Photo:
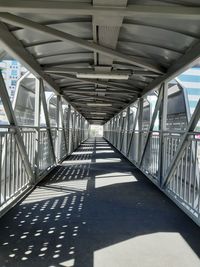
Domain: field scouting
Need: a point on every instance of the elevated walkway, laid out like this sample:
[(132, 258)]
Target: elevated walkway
[(97, 210)]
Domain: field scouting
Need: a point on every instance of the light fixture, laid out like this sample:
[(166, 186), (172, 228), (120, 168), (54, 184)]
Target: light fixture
[(113, 75), (98, 113), (99, 105)]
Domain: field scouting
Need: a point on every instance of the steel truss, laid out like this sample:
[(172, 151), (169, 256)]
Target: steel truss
[(28, 153), (169, 159)]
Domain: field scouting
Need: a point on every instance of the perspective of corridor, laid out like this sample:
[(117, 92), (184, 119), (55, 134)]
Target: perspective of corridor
[(94, 210), (99, 133)]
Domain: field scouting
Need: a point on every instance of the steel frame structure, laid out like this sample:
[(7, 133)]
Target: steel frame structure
[(99, 45), (176, 173), (54, 53), (25, 148)]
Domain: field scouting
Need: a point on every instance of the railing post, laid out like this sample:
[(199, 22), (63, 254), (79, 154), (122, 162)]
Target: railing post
[(120, 130), (59, 126), (44, 104), (157, 108), (69, 131), (13, 121), (133, 130), (162, 128), (123, 129), (127, 129), (37, 125), (140, 123)]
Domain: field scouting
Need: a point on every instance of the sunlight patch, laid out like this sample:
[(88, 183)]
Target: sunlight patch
[(157, 250), (69, 263), (82, 153), (114, 174), (108, 160), (76, 162), (76, 185), (103, 147), (100, 182), (105, 151), (40, 194)]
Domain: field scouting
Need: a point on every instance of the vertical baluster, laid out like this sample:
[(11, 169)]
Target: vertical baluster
[(169, 151), (10, 166), (1, 180), (178, 179), (20, 172), (5, 168), (181, 177), (165, 154), (190, 187), (14, 165), (175, 181), (185, 173), (195, 169), (17, 169)]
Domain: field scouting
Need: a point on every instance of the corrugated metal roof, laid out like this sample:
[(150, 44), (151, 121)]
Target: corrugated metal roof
[(150, 43)]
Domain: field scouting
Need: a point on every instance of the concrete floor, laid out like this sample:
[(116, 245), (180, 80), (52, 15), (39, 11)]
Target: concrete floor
[(97, 210)]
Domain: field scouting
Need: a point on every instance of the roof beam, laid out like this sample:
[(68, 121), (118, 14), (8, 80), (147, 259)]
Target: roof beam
[(86, 71), (65, 37), (66, 70), (91, 70), (97, 91), (65, 8), (116, 106), (96, 111), (83, 84), (14, 47), (108, 108), (144, 73), (107, 99), (186, 61), (93, 81)]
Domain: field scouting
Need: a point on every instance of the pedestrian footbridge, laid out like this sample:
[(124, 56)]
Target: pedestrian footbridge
[(130, 197), (97, 209)]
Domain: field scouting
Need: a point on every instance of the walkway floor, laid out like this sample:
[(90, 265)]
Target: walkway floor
[(97, 210)]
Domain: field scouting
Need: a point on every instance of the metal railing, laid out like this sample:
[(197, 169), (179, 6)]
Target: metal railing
[(184, 183), (14, 178), (183, 186)]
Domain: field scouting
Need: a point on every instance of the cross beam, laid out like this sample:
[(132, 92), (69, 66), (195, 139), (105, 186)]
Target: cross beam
[(65, 8), (93, 81), (65, 37)]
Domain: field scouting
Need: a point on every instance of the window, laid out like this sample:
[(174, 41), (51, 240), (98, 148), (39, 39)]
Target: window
[(14, 72), (13, 82)]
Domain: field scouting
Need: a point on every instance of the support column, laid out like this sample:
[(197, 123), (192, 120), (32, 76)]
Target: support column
[(13, 122), (120, 130), (37, 126), (157, 108), (140, 123), (127, 128), (162, 129), (61, 126), (69, 131), (44, 103), (133, 130)]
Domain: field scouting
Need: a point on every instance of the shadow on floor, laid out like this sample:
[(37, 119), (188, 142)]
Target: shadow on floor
[(96, 210)]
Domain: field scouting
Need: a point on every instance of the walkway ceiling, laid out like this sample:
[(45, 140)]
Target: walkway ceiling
[(101, 55)]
